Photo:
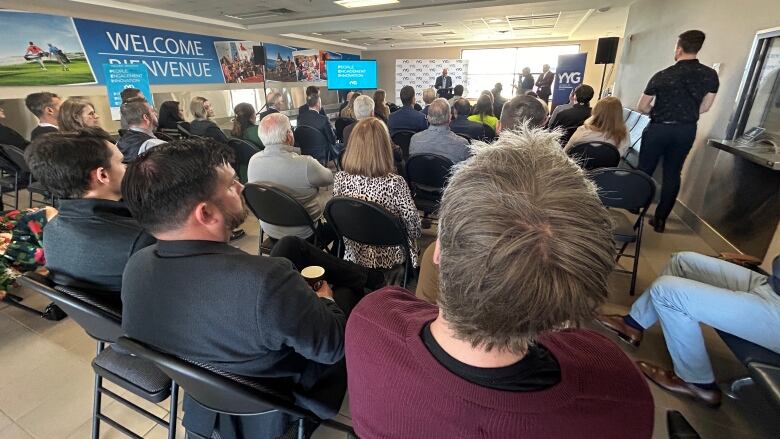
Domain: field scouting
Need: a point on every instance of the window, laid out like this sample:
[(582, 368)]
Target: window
[(486, 67)]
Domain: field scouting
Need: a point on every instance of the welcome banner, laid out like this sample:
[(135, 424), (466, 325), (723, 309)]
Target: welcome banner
[(171, 57)]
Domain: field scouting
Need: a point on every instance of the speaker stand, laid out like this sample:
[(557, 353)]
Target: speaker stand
[(603, 75)]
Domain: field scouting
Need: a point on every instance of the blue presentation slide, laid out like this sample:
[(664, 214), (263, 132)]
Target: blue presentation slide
[(351, 74)]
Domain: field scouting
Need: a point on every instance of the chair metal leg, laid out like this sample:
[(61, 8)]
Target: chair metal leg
[(637, 249), (260, 246), (301, 429), (174, 406), (97, 398)]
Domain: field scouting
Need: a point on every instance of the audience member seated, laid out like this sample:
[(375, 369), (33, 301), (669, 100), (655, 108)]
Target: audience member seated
[(438, 139), (94, 234), (202, 125), (244, 314), (520, 113), (457, 94), (407, 118), (363, 107), (498, 100), (46, 107), (572, 118), (273, 104), (695, 289), (604, 125), (299, 176), (9, 136), (502, 347), (483, 112), (141, 121), (130, 93), (347, 98), (429, 94), (461, 124), (244, 124), (381, 110), (369, 175), (314, 118), (171, 116), (310, 91), (348, 112), (75, 114)]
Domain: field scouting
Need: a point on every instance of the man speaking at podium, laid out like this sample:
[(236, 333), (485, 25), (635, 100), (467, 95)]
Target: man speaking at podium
[(443, 85)]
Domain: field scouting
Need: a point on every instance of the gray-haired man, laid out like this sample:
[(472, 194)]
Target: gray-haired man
[(438, 139)]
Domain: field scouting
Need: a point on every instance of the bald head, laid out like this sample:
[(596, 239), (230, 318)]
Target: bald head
[(521, 109), (275, 129)]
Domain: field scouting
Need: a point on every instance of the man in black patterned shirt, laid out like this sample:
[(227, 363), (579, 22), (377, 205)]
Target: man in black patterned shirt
[(675, 97)]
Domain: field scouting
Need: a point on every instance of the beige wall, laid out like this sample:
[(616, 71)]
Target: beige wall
[(386, 61), (651, 33)]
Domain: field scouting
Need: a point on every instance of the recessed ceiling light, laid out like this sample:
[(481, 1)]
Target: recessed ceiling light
[(495, 20), (363, 3)]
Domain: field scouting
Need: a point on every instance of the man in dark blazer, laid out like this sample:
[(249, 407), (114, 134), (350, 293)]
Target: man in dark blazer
[(443, 83), (273, 102), (544, 83), (569, 119), (407, 118), (195, 296), (46, 107), (310, 90), (313, 117)]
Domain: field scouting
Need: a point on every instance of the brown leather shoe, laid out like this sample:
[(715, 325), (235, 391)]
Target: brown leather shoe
[(616, 324), (671, 382)]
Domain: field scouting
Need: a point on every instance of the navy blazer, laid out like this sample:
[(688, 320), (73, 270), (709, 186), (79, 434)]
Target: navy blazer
[(319, 122), (407, 119), (461, 125), (304, 108)]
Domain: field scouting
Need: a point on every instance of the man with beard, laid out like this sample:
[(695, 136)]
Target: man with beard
[(195, 296)]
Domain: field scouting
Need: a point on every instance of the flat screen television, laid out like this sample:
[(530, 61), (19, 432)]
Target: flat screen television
[(351, 74)]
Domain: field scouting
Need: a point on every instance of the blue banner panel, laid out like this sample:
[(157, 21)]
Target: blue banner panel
[(170, 57), (122, 76), (351, 75), (568, 75)]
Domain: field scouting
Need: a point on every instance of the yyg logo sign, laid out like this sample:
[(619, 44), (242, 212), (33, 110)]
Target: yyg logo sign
[(570, 78)]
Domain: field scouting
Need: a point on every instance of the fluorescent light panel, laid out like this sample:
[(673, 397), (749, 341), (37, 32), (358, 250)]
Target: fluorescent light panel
[(363, 3)]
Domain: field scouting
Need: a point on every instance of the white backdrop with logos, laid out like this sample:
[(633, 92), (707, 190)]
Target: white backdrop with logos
[(422, 73)]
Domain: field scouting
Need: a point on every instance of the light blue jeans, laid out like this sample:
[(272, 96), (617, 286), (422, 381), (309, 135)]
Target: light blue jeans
[(694, 289)]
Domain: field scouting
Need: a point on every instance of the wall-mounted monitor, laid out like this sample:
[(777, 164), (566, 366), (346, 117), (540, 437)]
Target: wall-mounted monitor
[(351, 74)]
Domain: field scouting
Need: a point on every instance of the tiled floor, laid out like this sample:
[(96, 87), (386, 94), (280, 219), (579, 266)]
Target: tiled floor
[(46, 379)]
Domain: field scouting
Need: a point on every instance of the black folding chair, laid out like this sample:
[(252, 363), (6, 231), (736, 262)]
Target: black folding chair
[(166, 136), (243, 151), (488, 134), (594, 155), (101, 318), (184, 131), (270, 204), (16, 156), (312, 142), (403, 138), (11, 178), (627, 189), (427, 175), (368, 223), (227, 393), (465, 136), (341, 123)]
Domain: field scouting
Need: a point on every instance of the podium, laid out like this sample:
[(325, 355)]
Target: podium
[(445, 93)]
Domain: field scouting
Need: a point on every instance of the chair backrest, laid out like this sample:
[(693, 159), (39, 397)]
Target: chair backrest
[(16, 155), (6, 164), (365, 222), (184, 131), (632, 119), (311, 142), (429, 170), (403, 138), (624, 188), (272, 205), (488, 133), (465, 136), (100, 320), (165, 136), (594, 155), (243, 151), (341, 123), (220, 391)]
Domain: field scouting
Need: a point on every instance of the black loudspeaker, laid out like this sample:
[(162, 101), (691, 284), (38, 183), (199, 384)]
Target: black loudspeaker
[(607, 50), (258, 57)]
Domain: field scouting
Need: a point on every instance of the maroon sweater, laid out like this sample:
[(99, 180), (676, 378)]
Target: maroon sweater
[(397, 389)]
